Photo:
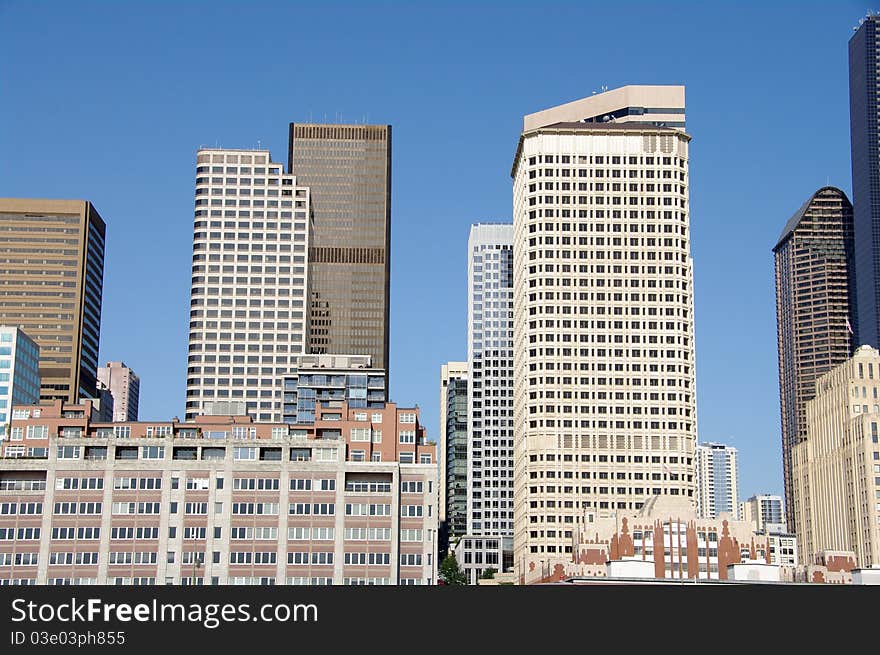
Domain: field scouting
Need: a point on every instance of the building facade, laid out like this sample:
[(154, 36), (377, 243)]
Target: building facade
[(717, 477), (52, 288), (604, 377), (248, 318), (864, 76), (490, 393), (455, 467), (783, 548), (664, 536), (764, 512), (448, 371), (815, 310), (125, 388), (836, 470), (19, 373), (218, 500), (330, 378), (348, 169)]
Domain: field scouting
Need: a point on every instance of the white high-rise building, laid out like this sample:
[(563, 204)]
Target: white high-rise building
[(604, 371), (490, 396), (764, 512), (249, 282), (716, 476)]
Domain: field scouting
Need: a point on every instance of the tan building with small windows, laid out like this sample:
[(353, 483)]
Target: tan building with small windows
[(836, 470), (604, 407), (51, 286)]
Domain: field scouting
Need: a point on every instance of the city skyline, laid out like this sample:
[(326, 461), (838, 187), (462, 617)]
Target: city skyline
[(735, 338)]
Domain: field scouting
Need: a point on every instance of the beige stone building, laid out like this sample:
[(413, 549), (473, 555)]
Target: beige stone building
[(836, 471), (664, 539), (604, 377)]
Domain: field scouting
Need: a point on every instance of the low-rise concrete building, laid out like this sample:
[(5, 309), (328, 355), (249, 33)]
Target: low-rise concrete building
[(664, 532), (348, 499)]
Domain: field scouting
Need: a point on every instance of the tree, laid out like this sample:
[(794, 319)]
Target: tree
[(450, 572), (489, 574)]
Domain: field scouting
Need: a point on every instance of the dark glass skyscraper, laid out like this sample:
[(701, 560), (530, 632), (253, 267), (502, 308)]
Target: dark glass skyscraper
[(864, 77), (814, 311), (348, 170)]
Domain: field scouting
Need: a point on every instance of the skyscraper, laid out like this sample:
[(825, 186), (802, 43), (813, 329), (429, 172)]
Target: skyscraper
[(490, 366), (454, 465), (248, 319), (814, 310), (19, 372), (864, 77), (604, 377), (348, 169), (835, 486), (125, 388), (51, 287), (717, 480), (448, 372), (764, 512)]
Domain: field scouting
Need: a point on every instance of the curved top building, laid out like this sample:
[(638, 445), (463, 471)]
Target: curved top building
[(816, 318)]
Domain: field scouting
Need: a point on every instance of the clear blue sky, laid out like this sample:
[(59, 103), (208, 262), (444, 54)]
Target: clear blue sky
[(109, 102)]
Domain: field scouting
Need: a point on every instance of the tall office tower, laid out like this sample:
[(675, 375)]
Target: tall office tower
[(604, 377), (815, 309), (716, 477), (835, 486), (764, 512), (125, 388), (19, 372), (864, 117), (454, 466), (329, 380), (348, 169), (248, 317), (52, 286), (490, 367), (448, 371)]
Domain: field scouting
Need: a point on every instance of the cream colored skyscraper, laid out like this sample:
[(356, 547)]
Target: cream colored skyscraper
[(248, 308), (604, 386), (837, 469)]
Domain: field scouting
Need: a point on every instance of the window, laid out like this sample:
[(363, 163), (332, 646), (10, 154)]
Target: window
[(247, 453), (152, 452), (37, 432), (407, 417), (360, 434), (407, 436), (68, 452)]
